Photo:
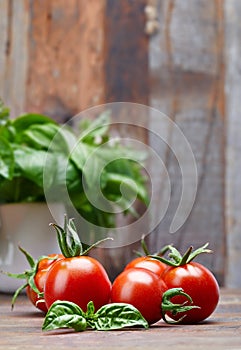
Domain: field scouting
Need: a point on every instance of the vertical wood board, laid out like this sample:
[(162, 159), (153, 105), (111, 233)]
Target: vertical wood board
[(65, 58), (14, 24), (233, 164), (186, 68)]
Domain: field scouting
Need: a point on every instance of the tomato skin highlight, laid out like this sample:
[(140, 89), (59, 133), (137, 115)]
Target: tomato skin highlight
[(141, 288), (78, 279), (147, 263), (197, 281)]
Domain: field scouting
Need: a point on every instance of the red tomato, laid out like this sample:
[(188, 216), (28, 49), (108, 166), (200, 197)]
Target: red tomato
[(148, 263), (141, 288), (197, 281), (44, 264), (78, 279), (39, 279)]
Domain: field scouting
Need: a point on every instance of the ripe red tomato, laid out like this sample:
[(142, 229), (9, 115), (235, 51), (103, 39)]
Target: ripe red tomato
[(79, 279), (148, 263), (197, 281), (45, 263), (141, 288), (39, 280)]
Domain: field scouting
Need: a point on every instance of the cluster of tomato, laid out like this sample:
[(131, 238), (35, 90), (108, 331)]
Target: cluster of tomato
[(144, 282)]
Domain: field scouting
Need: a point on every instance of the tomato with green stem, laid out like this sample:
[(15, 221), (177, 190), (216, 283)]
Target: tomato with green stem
[(147, 292), (195, 279), (37, 298), (77, 278), (35, 278)]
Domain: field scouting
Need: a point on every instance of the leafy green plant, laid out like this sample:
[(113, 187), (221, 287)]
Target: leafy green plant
[(65, 314), (37, 154)]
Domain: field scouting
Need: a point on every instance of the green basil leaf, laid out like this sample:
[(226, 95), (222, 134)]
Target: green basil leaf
[(90, 309), (40, 136), (97, 128), (6, 159), (4, 113), (30, 163), (90, 315), (131, 187), (64, 314), (118, 315), (59, 172), (80, 154), (24, 121)]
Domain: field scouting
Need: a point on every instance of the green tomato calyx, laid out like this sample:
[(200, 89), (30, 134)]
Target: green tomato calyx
[(28, 275), (69, 240), (146, 251), (174, 309), (176, 259)]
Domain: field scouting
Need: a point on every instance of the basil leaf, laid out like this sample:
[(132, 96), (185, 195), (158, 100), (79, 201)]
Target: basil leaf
[(4, 113), (6, 159), (132, 187), (64, 314), (59, 173), (118, 315), (40, 135), (90, 309), (31, 163), (90, 315), (80, 154), (24, 121), (96, 128)]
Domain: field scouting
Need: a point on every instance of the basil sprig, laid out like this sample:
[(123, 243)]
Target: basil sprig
[(66, 314)]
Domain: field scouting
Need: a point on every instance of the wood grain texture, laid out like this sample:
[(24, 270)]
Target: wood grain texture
[(65, 72), (126, 80), (126, 52), (14, 24), (233, 165), (186, 68), (22, 327)]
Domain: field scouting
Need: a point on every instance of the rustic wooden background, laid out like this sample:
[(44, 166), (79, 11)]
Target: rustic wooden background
[(181, 57)]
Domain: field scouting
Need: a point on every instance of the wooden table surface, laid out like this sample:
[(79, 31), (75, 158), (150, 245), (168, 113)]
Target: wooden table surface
[(21, 329)]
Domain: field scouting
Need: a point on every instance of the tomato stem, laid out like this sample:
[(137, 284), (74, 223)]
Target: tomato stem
[(176, 259), (168, 306), (146, 250), (69, 241), (28, 275)]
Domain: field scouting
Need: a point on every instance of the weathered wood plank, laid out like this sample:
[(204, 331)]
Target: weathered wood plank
[(65, 57), (126, 80), (14, 53), (126, 52), (233, 165), (4, 19), (186, 65), (221, 331)]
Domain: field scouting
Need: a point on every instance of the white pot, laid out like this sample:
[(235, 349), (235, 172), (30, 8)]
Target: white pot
[(27, 225)]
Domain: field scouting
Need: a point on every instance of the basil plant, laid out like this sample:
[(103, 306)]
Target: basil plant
[(37, 155)]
